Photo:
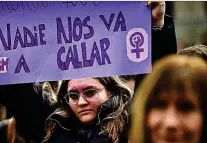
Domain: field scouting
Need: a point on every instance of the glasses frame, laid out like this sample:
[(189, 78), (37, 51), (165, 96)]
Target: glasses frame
[(82, 94)]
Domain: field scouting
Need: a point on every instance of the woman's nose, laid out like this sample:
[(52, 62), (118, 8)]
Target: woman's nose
[(171, 119), (82, 101)]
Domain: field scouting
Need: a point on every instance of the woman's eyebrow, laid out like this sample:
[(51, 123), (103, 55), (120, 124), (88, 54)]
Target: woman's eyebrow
[(91, 87), (84, 88), (72, 90)]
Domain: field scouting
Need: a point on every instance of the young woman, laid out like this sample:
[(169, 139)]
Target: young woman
[(90, 110), (171, 104)]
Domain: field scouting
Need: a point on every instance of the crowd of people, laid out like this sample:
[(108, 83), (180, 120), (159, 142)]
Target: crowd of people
[(165, 106)]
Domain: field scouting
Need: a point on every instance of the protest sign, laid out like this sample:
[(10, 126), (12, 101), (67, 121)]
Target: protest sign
[(47, 41)]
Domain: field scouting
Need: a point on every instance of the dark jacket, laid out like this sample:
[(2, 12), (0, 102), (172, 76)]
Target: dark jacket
[(70, 130), (163, 43)]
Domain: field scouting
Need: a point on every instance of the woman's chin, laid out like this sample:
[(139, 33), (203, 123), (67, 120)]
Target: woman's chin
[(87, 119)]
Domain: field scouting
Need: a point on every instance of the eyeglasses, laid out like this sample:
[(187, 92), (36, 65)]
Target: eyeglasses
[(88, 95)]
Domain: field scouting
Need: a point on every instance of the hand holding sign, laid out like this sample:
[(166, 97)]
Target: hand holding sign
[(158, 12)]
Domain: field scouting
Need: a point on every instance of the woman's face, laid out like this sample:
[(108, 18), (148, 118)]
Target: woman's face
[(92, 96), (175, 119)]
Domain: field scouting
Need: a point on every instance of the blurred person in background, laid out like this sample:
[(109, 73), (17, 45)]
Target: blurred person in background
[(24, 102), (171, 104), (8, 132), (196, 50)]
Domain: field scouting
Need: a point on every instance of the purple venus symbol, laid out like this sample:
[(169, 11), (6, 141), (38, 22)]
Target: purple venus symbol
[(136, 41)]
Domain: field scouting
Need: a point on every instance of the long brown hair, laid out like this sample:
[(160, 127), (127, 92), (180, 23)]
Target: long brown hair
[(171, 72)]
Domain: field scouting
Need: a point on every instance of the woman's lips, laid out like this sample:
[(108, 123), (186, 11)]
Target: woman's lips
[(85, 111), (172, 139)]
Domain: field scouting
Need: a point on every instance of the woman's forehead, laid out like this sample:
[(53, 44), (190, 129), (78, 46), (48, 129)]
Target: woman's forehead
[(83, 83), (173, 95)]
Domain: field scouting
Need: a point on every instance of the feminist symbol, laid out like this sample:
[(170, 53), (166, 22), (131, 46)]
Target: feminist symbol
[(137, 40)]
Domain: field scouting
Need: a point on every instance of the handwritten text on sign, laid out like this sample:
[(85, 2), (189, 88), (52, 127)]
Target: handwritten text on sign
[(62, 40)]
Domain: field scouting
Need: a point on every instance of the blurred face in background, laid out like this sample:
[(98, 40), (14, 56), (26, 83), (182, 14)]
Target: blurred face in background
[(85, 96), (175, 118)]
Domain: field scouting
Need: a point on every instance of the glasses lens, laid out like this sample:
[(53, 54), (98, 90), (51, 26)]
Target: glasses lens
[(91, 94), (72, 98)]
